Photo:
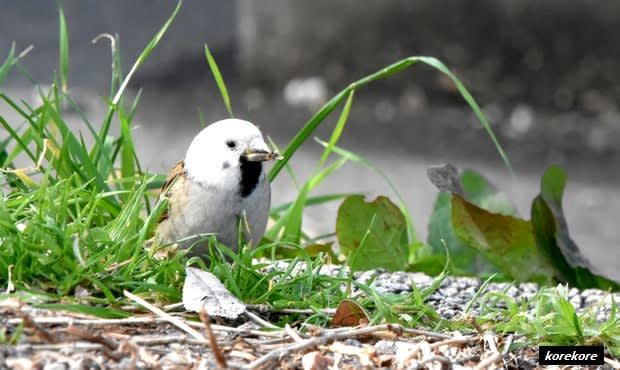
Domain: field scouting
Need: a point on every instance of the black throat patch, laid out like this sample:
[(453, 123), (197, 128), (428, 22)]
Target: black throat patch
[(250, 173)]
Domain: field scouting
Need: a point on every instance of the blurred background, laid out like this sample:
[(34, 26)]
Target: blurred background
[(546, 74)]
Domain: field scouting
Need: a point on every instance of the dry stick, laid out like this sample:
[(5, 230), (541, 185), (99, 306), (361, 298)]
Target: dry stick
[(292, 333), (261, 321), (153, 340), (85, 346), (29, 323), (317, 341), (429, 334), (306, 311), (140, 353), (496, 356), (68, 320), (508, 344), (215, 348), (454, 340), (267, 342), (425, 333), (86, 335), (173, 306), (179, 323), (10, 287), (615, 364), (271, 334)]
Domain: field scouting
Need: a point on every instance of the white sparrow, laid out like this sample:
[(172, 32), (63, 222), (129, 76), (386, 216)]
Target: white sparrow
[(220, 181)]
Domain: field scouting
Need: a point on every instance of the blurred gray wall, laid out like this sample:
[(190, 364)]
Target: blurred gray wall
[(175, 59), (560, 47)]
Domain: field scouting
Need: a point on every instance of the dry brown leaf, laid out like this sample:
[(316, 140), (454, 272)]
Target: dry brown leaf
[(349, 313)]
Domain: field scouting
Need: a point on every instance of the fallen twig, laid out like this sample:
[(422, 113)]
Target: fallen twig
[(137, 320), (179, 323), (91, 337), (302, 311), (320, 340), (217, 352), (453, 340), (261, 321), (292, 333), (30, 323), (615, 364), (489, 338)]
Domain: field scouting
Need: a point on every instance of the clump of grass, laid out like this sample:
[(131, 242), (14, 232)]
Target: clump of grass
[(549, 318), (73, 226), (74, 221)]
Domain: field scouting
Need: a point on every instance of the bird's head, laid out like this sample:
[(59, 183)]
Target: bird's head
[(224, 151)]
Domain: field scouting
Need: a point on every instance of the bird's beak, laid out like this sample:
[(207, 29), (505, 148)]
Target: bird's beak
[(260, 155)]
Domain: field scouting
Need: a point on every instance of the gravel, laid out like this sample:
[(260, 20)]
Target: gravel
[(455, 293)]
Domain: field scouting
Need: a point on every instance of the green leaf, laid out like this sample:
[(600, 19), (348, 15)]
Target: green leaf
[(218, 80), (553, 239), (441, 236), (484, 194), (506, 241), (552, 190), (413, 240), (372, 234), (465, 260)]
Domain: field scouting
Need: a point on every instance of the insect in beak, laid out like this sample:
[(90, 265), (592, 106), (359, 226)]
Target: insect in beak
[(260, 155)]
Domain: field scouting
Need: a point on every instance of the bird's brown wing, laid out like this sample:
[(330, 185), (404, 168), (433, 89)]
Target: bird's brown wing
[(177, 172)]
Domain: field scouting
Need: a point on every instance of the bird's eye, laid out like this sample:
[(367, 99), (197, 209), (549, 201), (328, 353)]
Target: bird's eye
[(231, 144)]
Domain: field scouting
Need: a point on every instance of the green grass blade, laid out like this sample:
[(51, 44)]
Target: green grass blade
[(145, 53), (8, 64), (293, 218), (63, 47), (83, 117), (117, 73), (388, 71), (288, 167), (127, 149), (305, 132), (102, 312), (96, 152), (218, 79), (18, 139), (342, 121), (437, 64)]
